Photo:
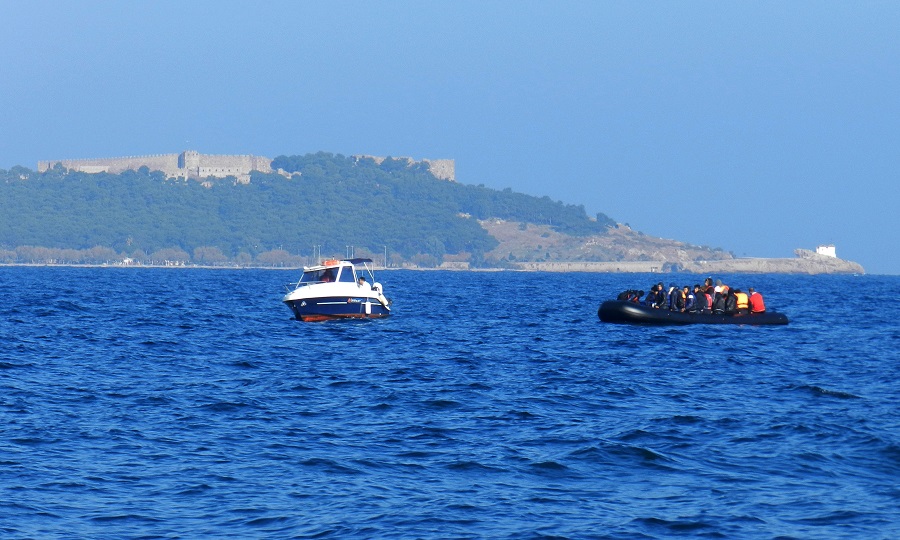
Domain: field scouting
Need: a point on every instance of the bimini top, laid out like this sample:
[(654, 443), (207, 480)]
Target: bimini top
[(333, 263)]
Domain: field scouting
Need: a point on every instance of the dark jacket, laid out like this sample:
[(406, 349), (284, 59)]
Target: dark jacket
[(730, 304), (719, 303), (700, 303), (676, 300), (662, 299)]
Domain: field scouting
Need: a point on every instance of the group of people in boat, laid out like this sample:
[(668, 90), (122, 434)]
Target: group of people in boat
[(706, 298)]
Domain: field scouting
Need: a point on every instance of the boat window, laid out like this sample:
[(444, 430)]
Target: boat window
[(347, 275)]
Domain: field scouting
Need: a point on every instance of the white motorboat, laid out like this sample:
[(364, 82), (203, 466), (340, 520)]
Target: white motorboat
[(337, 289)]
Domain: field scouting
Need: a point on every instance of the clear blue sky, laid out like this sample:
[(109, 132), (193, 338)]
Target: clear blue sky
[(756, 127)]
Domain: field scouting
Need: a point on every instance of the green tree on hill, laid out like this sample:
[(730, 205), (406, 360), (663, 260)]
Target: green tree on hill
[(326, 200)]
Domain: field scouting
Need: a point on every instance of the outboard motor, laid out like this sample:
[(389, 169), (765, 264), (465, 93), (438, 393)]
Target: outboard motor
[(381, 298)]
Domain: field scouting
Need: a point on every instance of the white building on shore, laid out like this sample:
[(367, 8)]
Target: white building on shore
[(827, 250)]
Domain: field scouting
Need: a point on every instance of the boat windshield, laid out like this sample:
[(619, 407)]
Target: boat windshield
[(319, 276)]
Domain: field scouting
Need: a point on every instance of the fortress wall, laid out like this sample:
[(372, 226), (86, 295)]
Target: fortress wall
[(193, 164), (238, 166), (245, 163), (189, 160), (189, 163), (159, 162)]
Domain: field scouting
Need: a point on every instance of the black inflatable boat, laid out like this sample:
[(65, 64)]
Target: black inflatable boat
[(618, 311)]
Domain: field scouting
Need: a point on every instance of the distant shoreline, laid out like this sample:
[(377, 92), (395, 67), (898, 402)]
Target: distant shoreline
[(797, 266)]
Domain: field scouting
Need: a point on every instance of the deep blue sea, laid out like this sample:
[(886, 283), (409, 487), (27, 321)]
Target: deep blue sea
[(186, 403)]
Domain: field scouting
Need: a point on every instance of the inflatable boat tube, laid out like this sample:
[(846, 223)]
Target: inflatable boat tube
[(617, 311)]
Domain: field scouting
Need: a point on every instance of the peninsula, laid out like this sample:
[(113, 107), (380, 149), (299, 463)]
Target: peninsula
[(189, 208)]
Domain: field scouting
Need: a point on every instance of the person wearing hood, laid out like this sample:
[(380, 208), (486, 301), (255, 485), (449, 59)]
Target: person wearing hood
[(720, 295), (708, 287), (719, 303), (676, 298), (662, 297), (730, 303)]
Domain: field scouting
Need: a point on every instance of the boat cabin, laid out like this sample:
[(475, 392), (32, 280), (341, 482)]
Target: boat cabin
[(331, 271), (328, 275)]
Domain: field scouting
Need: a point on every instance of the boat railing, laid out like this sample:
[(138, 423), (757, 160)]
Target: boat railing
[(293, 286)]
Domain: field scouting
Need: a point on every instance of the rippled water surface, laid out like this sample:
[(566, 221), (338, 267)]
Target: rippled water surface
[(187, 403)]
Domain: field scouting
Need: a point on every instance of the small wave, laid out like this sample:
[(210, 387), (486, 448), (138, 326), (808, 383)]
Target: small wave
[(615, 453), (442, 403), (125, 517), (264, 521), (819, 391), (686, 419), (157, 399), (645, 454), (32, 441), (65, 305), (341, 384), (472, 466), (549, 468), (834, 518), (226, 406), (891, 454), (195, 490), (329, 466), (418, 454), (246, 364), (161, 343), (520, 415), (428, 433), (63, 485), (679, 525)]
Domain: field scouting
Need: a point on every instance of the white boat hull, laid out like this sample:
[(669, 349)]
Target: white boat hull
[(332, 291)]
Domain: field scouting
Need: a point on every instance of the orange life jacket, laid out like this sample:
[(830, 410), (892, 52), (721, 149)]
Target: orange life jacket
[(756, 303), (741, 300)]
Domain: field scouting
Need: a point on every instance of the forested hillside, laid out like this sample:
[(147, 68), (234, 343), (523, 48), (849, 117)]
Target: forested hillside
[(324, 201)]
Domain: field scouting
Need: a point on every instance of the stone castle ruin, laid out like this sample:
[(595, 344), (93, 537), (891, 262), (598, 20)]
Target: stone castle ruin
[(197, 166), (442, 169), (188, 164)]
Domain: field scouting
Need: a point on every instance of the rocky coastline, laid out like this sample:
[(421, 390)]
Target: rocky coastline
[(807, 263)]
